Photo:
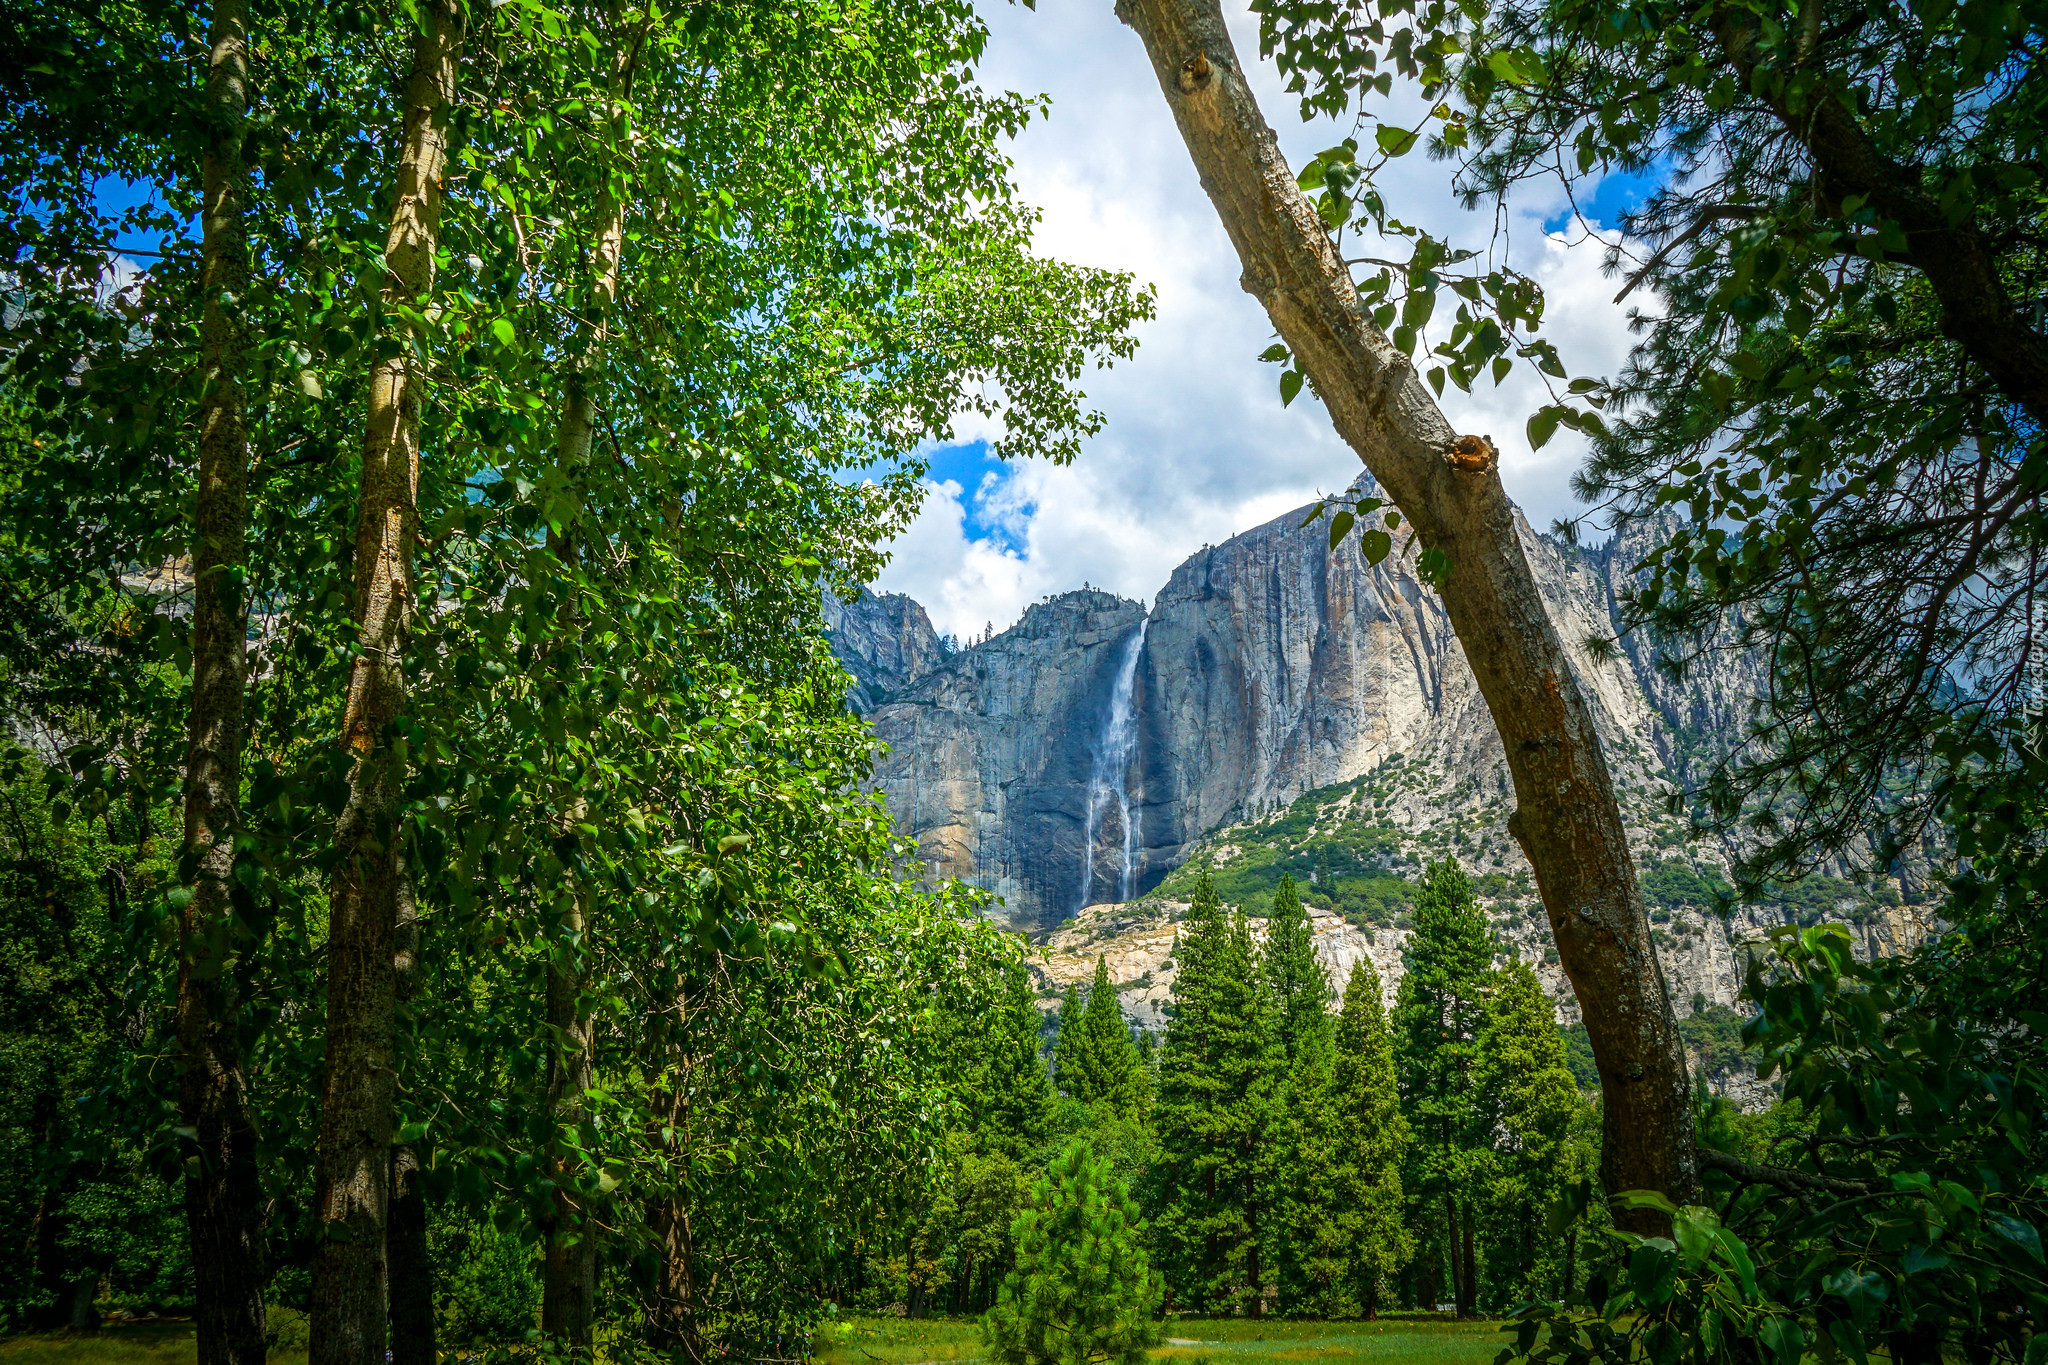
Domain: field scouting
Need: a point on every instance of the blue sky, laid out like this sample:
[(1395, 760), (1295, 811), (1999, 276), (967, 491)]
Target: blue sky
[(1197, 446)]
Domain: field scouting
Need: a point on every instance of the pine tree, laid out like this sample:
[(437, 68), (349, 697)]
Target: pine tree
[(1306, 1242), (1217, 1071), (1368, 1108), (1102, 1064), (1066, 1042), (1310, 1250), (1529, 1102), (1301, 988), (1436, 1026), (1013, 1094), (1082, 1292)]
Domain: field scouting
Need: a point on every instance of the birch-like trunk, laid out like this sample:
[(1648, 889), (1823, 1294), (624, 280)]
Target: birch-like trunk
[(351, 1198), (1566, 818), (223, 1201), (569, 1270)]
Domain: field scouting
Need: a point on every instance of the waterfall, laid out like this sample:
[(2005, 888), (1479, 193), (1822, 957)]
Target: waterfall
[(1110, 773)]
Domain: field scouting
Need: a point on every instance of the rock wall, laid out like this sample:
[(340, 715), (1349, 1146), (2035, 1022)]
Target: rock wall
[(991, 754), (886, 642), (1271, 664)]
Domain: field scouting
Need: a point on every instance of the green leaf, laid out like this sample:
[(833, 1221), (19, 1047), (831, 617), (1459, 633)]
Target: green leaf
[(501, 328), (1783, 1338), (1290, 386), (1339, 526), (1693, 1228), (1543, 425), (2021, 1235), (1394, 141), (733, 841), (1653, 1270), (1918, 1260), (1738, 1258), (1375, 546), (1274, 352)]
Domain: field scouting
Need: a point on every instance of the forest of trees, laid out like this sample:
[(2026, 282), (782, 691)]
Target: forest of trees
[(1294, 1150), (437, 894)]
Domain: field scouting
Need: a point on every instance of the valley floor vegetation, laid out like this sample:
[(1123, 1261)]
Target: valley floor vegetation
[(438, 905)]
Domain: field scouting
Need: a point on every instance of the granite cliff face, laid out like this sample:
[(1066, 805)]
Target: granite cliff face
[(885, 640), (1267, 666), (1078, 758)]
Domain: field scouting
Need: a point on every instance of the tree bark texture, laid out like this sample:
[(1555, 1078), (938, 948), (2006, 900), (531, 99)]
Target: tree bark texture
[(568, 1312), (405, 1233), (223, 1200), (1566, 818), (348, 1322)]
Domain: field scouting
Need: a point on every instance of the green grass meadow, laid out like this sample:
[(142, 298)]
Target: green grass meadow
[(1408, 1340)]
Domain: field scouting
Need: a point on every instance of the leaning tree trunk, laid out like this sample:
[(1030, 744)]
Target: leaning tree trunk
[(351, 1199), (223, 1200), (568, 1311), (1566, 818)]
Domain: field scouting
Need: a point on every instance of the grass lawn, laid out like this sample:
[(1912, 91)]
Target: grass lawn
[(894, 1341), (118, 1343)]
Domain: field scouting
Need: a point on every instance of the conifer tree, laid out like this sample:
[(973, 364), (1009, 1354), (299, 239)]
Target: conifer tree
[(1368, 1108), (1082, 1292), (1101, 1064), (1436, 1027), (1014, 1092), (1307, 1244), (1217, 1072), (1529, 1102), (1301, 988), (1311, 1251), (1066, 1041)]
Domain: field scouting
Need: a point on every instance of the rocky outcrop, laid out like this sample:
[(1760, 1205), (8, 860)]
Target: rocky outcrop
[(992, 757), (885, 640), (1282, 698), (1268, 666)]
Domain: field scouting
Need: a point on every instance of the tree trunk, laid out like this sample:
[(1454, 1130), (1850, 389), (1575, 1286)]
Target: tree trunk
[(1961, 264), (1566, 818), (405, 1234), (1469, 1304), (672, 1325), (1457, 1266), (348, 1325), (569, 1271), (223, 1201)]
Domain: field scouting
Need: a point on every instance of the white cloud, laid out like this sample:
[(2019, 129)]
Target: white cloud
[(1197, 446)]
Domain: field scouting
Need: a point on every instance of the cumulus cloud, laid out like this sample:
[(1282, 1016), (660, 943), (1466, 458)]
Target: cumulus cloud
[(1197, 446)]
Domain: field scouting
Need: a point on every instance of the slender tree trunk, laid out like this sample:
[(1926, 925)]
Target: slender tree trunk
[(1451, 1249), (223, 1201), (673, 1325), (351, 1199), (405, 1234), (1470, 1303), (1566, 819), (569, 1271)]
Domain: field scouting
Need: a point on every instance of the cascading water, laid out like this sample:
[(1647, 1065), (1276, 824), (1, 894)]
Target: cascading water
[(1110, 774)]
